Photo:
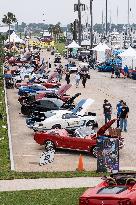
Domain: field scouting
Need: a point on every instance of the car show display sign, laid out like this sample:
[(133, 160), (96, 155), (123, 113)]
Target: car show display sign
[(47, 157), (107, 154)]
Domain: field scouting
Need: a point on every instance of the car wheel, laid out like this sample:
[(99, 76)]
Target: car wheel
[(94, 151), (25, 110), (49, 145), (56, 126), (90, 123)]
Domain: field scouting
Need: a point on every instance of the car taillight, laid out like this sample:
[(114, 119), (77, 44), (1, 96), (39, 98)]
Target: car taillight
[(84, 201), (125, 202)]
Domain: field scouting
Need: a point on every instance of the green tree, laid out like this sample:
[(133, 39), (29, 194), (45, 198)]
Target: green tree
[(9, 19), (57, 31), (51, 28)]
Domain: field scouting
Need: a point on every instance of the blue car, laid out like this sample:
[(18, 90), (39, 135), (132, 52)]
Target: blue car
[(105, 68), (34, 89)]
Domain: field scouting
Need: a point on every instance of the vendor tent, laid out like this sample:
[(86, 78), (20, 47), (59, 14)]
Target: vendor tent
[(128, 58), (101, 47), (73, 45), (14, 39), (103, 52)]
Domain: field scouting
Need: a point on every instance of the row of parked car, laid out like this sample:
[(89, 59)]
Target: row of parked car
[(54, 116)]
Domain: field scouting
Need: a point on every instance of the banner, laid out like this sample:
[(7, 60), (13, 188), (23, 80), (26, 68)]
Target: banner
[(41, 44), (107, 154)]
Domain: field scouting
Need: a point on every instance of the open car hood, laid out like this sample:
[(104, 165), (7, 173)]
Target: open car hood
[(63, 89), (41, 69), (83, 106), (51, 77), (71, 100), (105, 127)]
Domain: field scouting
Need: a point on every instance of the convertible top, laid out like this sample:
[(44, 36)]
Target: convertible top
[(124, 174)]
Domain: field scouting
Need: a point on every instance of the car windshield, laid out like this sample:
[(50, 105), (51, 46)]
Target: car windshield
[(49, 114), (84, 132), (59, 103), (112, 190)]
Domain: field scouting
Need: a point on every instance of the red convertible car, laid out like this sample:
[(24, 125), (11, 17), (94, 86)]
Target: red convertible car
[(118, 189), (61, 93), (83, 139)]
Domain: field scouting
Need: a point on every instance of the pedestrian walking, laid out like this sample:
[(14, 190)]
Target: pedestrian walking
[(117, 72), (124, 117), (49, 63), (107, 110), (67, 78), (119, 108), (84, 79), (59, 74), (77, 78), (112, 71)]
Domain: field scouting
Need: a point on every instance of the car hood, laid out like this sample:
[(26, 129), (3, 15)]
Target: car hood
[(83, 106), (63, 89), (105, 127), (51, 77), (96, 197)]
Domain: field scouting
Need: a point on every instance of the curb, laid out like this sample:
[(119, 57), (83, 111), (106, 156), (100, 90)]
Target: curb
[(9, 130)]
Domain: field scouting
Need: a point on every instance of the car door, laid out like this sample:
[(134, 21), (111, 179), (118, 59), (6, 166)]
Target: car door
[(79, 143), (70, 120), (61, 139)]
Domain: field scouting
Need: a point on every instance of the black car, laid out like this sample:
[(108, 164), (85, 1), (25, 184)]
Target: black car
[(133, 75), (47, 104)]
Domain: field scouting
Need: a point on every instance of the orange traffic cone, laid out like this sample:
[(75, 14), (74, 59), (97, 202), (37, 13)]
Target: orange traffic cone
[(80, 164)]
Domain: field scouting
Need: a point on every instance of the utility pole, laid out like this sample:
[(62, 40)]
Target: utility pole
[(91, 27), (117, 14), (106, 18), (128, 14), (79, 21)]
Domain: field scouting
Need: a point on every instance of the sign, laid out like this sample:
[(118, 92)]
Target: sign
[(107, 154), (47, 157), (82, 7), (41, 44)]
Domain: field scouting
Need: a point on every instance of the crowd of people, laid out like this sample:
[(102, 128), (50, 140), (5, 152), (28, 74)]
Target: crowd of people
[(116, 72), (122, 114)]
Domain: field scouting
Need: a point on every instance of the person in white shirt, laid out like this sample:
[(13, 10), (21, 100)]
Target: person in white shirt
[(77, 78)]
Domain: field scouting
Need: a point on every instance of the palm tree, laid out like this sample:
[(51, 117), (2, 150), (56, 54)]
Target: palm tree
[(57, 31), (50, 29), (9, 19)]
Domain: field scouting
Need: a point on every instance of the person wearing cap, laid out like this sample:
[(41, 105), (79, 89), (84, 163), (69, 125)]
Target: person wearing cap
[(119, 107), (124, 117), (107, 110)]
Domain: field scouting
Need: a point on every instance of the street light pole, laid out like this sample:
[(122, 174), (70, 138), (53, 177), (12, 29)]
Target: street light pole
[(91, 27), (106, 17), (79, 20)]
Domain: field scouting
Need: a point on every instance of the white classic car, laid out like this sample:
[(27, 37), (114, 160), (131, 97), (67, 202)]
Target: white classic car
[(69, 119)]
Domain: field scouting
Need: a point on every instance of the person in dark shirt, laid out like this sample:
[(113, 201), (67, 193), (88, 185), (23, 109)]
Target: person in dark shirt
[(119, 108), (84, 79), (107, 110), (67, 78), (124, 117)]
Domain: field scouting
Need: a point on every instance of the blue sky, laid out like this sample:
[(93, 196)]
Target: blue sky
[(62, 10)]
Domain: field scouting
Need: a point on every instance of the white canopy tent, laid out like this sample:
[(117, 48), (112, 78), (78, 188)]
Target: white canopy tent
[(101, 47), (128, 58), (73, 45), (14, 39), (102, 52)]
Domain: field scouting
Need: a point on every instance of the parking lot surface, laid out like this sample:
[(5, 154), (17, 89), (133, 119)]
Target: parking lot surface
[(27, 153)]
